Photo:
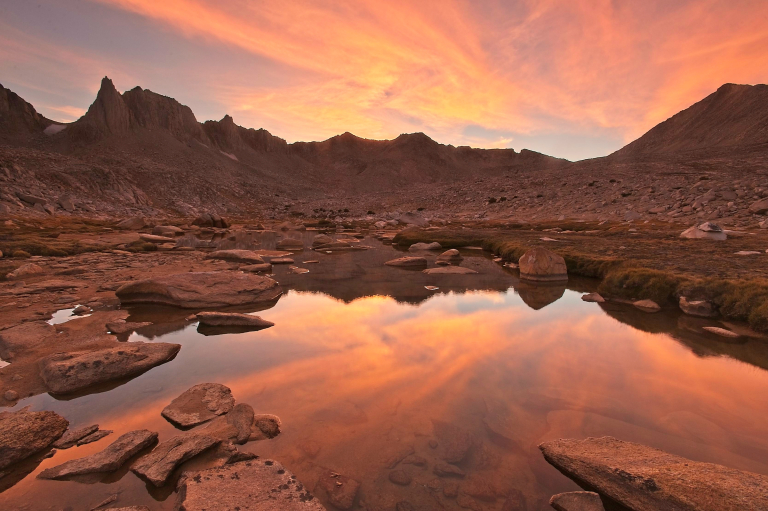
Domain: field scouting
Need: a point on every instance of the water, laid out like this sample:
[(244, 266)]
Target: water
[(364, 361)]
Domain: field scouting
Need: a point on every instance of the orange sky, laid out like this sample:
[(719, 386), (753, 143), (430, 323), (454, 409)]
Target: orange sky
[(573, 78)]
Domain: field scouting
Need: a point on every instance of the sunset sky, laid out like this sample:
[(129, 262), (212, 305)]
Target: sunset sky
[(570, 78)]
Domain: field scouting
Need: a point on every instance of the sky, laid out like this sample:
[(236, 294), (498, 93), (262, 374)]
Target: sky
[(570, 78)]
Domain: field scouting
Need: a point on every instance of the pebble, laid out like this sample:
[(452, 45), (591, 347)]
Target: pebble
[(400, 477), (11, 395)]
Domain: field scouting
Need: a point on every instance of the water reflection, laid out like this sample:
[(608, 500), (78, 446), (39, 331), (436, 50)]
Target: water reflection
[(363, 361)]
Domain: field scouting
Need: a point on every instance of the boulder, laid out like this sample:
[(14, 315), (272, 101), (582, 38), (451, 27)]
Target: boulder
[(290, 244), (407, 262), (237, 256), (108, 460), (132, 224), (647, 305), (593, 297), (700, 308), (256, 485), (31, 199), (210, 220), (24, 271), (706, 230), (451, 256), (542, 265), (72, 436), (157, 466), (417, 247), (67, 204), (151, 238), (232, 319), (199, 404), (242, 425), (341, 490), (642, 478), (321, 239), (203, 289), (577, 501), (64, 373), (24, 433), (167, 230), (449, 270), (759, 207)]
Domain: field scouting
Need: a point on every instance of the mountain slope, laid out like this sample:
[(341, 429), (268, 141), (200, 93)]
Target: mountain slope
[(735, 116)]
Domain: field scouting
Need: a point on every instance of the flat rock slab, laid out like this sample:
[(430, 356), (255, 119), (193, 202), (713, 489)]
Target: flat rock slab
[(157, 466), (25, 336), (282, 260), (124, 327), (407, 262), (232, 319), (425, 246), (642, 478), (153, 238), (202, 290), (72, 436), (577, 501), (341, 490), (449, 270), (722, 332), (199, 404), (256, 485), (236, 256), (65, 373), (24, 433), (290, 244), (261, 267), (108, 460), (95, 437)]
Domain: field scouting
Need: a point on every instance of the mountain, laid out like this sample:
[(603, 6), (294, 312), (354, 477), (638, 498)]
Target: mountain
[(733, 117), (18, 119)]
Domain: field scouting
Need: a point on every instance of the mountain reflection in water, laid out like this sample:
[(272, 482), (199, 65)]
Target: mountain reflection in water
[(364, 361)]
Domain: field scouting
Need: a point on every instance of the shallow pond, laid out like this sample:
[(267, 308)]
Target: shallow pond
[(365, 364)]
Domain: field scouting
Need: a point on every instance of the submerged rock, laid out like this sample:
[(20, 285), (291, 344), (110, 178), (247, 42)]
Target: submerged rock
[(232, 319), (256, 485), (108, 460), (201, 289), (341, 490), (444, 469), (24, 433), (542, 265), (454, 441), (157, 466), (199, 404), (236, 256), (407, 262), (64, 373), (449, 270), (577, 501), (642, 478)]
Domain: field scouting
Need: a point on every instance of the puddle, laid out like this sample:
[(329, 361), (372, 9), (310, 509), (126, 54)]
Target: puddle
[(365, 361), (64, 315)]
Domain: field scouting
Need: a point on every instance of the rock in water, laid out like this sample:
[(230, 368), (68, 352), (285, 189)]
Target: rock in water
[(645, 479), (542, 265), (158, 465), (253, 485), (237, 256), (64, 373), (722, 332), (451, 256), (416, 247), (199, 404), (700, 308), (24, 433), (341, 490), (454, 440), (290, 244), (108, 460), (321, 239), (232, 319), (449, 270), (72, 436), (647, 305), (408, 262), (201, 290), (593, 297), (577, 501)]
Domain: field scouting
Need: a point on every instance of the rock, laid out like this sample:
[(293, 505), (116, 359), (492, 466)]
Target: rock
[(478, 487), (232, 319), (451, 256), (67, 204), (210, 220), (129, 508), (242, 425), (700, 308), (400, 477), (413, 459), (132, 224), (540, 264), (199, 404), (25, 336), (577, 501), (515, 501), (71, 437), (413, 219), (593, 297), (80, 310), (710, 233), (24, 433), (167, 230), (341, 490), (449, 270), (157, 466), (124, 327), (288, 226), (95, 437), (257, 485), (204, 289), (631, 216), (408, 262), (237, 256), (747, 253), (642, 478), (263, 267), (416, 247), (151, 238), (290, 244), (321, 239), (722, 332), (455, 441), (759, 207), (444, 469), (108, 460), (268, 425), (281, 260), (64, 373), (24, 271), (11, 395), (647, 305)]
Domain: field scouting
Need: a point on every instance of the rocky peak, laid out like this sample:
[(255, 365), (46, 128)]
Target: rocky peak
[(108, 113), (154, 111), (17, 117)]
